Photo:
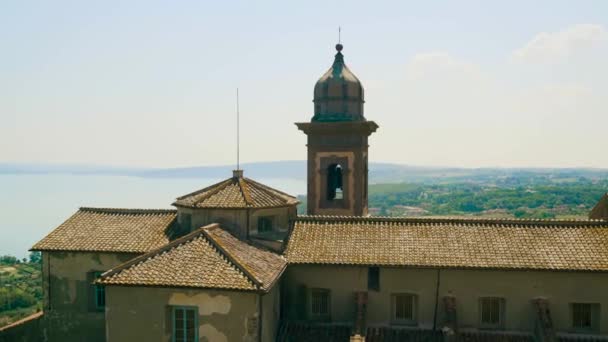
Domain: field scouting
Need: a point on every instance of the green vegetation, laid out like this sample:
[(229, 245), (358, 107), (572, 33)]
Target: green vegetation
[(20, 287), (541, 201), (519, 198)]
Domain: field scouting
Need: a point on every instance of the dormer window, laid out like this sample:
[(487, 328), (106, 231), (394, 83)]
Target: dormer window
[(334, 182)]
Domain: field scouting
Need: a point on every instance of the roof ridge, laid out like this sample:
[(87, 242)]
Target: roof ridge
[(232, 258), (153, 253), (218, 187), (245, 191), (455, 219), (128, 210), (268, 188)]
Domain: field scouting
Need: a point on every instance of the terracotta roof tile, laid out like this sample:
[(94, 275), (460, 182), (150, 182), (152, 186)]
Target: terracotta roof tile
[(236, 192), (456, 243), (111, 230), (600, 211), (209, 257), (263, 266)]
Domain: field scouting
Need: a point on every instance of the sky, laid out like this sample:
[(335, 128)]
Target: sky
[(450, 83)]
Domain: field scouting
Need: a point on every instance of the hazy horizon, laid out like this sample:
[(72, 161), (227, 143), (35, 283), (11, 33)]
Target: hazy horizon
[(465, 84), (248, 163)]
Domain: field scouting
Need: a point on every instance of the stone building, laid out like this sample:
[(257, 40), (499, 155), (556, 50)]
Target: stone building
[(234, 262)]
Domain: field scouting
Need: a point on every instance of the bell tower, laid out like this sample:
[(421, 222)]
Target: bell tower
[(337, 144)]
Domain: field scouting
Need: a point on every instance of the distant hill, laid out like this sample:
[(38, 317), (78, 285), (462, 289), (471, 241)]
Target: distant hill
[(296, 169)]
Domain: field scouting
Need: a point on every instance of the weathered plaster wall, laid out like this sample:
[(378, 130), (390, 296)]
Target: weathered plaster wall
[(281, 218), (342, 281), (70, 314), (144, 313), (237, 220), (270, 314), (234, 220), (517, 287)]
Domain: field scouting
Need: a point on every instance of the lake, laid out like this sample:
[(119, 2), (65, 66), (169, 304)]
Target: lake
[(33, 205)]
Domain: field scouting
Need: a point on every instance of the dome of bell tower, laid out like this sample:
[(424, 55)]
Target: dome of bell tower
[(338, 94)]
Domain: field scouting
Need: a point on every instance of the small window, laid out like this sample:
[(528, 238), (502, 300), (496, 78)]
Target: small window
[(373, 279), (585, 316), (320, 302), (491, 312), (99, 293), (185, 324), (404, 308), (264, 224)]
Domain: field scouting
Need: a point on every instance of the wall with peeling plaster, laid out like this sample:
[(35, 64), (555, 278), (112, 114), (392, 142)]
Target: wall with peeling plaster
[(69, 309), (233, 220), (518, 288), (281, 217), (270, 314), (144, 313), (240, 221)]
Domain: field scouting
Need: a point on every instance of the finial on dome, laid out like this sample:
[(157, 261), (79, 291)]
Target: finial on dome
[(339, 47)]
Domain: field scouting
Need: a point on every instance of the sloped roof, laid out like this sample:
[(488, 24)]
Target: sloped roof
[(236, 192), (600, 211), (452, 243), (111, 230), (209, 257)]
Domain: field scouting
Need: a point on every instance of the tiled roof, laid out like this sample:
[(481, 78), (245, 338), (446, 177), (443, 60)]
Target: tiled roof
[(111, 230), (600, 211), (207, 258), (236, 192), (450, 242)]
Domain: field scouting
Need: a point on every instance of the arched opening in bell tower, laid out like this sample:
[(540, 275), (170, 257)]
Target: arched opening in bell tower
[(335, 188)]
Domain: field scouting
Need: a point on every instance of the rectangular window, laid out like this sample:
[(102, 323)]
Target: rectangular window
[(264, 224), (373, 278), (585, 315), (185, 324), (319, 302), (99, 293), (404, 308), (491, 312)]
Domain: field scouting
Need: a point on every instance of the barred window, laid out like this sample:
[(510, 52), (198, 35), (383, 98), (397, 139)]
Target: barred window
[(584, 315), (320, 302), (404, 308), (491, 311)]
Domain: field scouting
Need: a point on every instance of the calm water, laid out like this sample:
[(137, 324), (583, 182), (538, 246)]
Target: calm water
[(32, 205)]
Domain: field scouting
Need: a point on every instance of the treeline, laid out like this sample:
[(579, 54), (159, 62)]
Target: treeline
[(570, 198), (542, 201)]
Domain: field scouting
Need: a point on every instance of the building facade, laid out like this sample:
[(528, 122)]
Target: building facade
[(234, 262)]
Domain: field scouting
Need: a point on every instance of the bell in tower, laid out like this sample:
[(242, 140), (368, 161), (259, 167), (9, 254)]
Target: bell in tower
[(337, 144)]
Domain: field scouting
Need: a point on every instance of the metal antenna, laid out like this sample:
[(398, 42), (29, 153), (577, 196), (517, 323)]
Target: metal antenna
[(237, 130)]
